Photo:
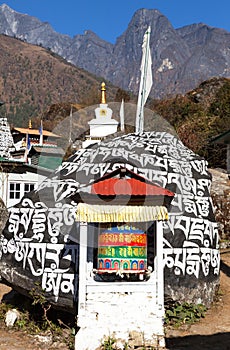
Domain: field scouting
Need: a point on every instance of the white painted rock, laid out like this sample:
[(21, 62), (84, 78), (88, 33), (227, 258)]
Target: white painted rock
[(11, 317)]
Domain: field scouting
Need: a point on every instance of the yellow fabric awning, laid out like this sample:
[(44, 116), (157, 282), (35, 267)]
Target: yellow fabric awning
[(120, 213)]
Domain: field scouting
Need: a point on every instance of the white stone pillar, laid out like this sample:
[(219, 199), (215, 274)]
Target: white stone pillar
[(160, 267), (160, 284), (82, 272)]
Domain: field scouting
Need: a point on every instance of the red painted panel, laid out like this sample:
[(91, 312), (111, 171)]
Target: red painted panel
[(123, 186)]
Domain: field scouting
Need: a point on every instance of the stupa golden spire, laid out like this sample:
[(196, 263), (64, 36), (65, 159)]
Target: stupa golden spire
[(103, 93)]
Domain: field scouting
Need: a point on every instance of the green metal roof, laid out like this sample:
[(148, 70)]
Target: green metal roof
[(49, 162)]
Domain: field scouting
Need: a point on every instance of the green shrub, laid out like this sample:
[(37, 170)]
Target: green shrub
[(184, 313), (108, 343)]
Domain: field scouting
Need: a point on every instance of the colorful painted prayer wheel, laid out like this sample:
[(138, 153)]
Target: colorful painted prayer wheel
[(122, 248)]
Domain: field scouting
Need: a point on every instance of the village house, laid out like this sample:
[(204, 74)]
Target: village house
[(27, 156)]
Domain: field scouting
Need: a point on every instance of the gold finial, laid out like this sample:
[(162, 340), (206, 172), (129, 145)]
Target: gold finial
[(30, 124), (103, 95)]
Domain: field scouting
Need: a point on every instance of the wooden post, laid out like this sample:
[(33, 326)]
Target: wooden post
[(228, 160)]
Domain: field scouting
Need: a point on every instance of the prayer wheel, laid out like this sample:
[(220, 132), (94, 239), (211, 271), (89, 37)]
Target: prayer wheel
[(122, 248)]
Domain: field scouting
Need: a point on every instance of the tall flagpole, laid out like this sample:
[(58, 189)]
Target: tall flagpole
[(41, 133), (145, 81), (122, 116), (70, 126)]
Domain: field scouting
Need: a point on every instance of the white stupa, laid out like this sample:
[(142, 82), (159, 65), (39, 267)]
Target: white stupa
[(103, 125)]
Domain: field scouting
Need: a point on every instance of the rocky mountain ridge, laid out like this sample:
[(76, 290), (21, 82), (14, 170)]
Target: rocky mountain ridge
[(182, 58)]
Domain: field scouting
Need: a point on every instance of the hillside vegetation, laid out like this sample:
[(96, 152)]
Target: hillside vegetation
[(199, 116), (33, 78)]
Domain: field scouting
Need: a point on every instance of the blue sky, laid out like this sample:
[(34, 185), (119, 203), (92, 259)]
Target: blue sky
[(109, 19)]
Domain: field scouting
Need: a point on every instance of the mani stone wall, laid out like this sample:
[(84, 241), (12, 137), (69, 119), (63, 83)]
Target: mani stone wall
[(6, 139), (40, 240)]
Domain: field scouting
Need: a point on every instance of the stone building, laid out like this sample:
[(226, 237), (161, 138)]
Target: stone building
[(26, 158)]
